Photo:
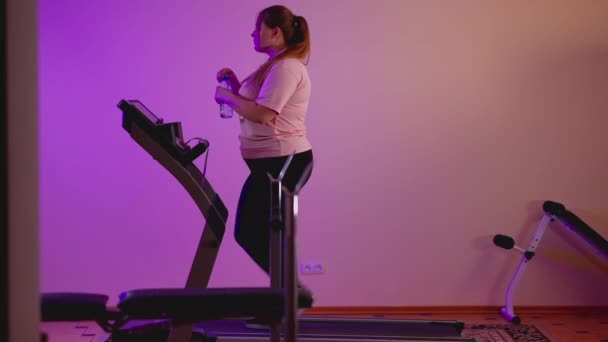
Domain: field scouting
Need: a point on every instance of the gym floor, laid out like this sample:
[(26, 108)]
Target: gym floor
[(578, 325)]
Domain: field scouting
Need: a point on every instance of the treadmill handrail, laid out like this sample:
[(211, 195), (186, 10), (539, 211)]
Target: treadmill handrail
[(146, 133), (191, 178)]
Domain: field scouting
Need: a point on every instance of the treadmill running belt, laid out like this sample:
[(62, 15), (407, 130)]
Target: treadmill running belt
[(327, 327)]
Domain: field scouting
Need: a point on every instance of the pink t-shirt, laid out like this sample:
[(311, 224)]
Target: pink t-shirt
[(285, 90)]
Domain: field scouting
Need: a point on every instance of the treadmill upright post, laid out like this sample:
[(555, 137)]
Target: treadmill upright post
[(276, 225), (276, 237), (276, 232), (290, 276)]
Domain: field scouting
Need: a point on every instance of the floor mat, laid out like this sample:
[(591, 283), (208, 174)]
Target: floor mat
[(504, 333)]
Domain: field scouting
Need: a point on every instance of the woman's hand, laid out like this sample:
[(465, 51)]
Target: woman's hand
[(247, 109), (232, 79), (222, 94)]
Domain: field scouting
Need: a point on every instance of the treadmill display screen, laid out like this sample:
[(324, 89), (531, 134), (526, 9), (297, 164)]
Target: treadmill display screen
[(145, 111)]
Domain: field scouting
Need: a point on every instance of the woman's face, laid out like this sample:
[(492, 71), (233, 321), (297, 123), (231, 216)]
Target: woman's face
[(262, 37)]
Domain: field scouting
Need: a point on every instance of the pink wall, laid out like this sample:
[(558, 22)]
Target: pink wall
[(435, 125)]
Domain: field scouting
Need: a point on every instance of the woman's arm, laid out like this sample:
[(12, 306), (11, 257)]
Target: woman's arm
[(248, 109)]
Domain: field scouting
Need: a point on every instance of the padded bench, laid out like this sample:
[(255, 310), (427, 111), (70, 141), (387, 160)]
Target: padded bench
[(182, 305), (576, 224)]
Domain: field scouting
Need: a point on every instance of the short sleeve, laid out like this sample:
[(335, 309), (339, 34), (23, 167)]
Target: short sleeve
[(279, 85)]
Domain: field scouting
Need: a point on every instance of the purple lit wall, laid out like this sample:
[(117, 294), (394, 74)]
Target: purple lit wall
[(435, 125)]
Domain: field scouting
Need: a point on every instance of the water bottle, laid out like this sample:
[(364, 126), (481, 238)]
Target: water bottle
[(225, 110)]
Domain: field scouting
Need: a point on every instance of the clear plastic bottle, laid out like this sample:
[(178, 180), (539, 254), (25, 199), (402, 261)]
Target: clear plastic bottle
[(225, 111)]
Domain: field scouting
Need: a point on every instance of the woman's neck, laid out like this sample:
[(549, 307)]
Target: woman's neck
[(273, 52)]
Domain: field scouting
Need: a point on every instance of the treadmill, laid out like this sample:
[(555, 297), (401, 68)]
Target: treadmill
[(324, 328), (199, 313)]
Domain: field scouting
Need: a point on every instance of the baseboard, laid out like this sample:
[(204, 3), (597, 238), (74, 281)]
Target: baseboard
[(411, 310)]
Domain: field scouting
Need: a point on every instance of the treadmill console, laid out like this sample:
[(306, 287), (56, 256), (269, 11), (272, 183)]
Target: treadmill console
[(167, 135)]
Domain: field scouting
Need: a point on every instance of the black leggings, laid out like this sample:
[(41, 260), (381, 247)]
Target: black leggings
[(252, 225)]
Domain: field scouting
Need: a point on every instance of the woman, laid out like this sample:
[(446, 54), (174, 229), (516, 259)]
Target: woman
[(272, 103)]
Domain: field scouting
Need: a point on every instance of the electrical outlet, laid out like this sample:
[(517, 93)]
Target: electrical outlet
[(312, 268)]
